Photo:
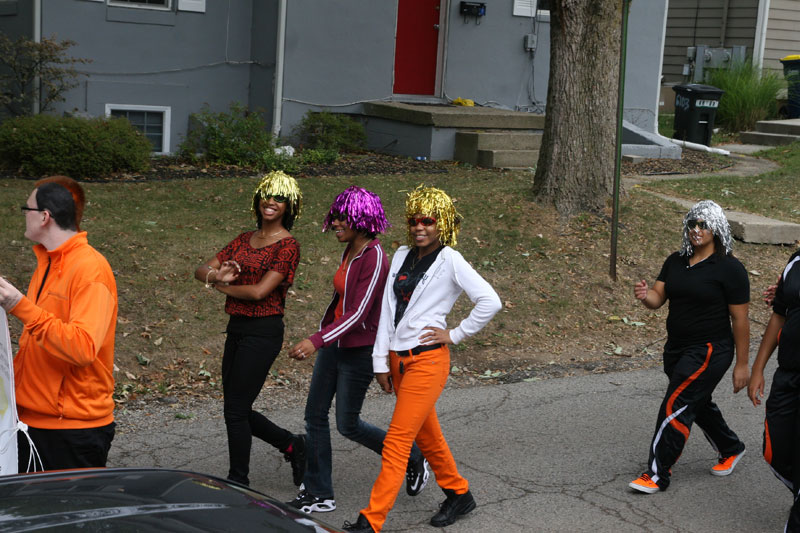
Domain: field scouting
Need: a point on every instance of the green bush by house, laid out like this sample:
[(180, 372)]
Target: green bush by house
[(330, 131), (750, 96), (81, 148), (238, 137)]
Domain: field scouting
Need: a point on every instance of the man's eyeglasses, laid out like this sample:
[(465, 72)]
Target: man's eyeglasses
[(694, 223), (26, 208), (425, 221)]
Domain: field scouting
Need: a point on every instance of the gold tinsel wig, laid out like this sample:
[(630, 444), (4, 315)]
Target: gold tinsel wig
[(430, 201), (277, 183)]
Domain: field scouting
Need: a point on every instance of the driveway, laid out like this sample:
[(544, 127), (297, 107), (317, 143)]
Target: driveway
[(553, 455)]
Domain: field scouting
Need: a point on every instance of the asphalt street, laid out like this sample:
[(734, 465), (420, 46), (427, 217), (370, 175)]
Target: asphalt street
[(551, 455)]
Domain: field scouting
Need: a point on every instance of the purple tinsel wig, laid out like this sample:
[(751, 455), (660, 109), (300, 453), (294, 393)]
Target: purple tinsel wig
[(362, 209)]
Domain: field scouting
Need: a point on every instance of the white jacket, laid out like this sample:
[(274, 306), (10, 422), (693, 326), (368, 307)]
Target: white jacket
[(432, 299)]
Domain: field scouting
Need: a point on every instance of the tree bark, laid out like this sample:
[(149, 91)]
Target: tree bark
[(575, 171)]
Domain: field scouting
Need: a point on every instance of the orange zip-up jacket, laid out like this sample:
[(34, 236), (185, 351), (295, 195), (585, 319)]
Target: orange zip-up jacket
[(63, 370)]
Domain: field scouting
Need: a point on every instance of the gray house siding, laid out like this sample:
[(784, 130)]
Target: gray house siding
[(16, 20), (506, 68), (337, 56), (175, 59), (263, 27), (337, 61), (783, 32), (695, 22)]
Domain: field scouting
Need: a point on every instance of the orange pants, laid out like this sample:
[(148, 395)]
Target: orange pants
[(414, 418)]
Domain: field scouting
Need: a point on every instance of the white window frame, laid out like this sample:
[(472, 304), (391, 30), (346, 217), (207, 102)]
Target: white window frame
[(166, 110), (196, 6), (529, 8), (133, 5), (525, 8)]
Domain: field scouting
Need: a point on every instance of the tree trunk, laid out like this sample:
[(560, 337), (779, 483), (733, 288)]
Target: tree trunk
[(575, 171)]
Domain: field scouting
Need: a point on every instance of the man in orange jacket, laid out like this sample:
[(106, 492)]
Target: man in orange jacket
[(63, 369)]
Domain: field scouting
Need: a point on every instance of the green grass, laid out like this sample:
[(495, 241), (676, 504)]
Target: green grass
[(774, 195), (551, 273)]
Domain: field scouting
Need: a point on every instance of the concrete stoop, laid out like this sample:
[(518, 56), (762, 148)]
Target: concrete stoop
[(773, 132), (498, 149), (481, 136)]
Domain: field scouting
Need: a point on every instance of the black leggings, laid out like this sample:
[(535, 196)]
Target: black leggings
[(250, 349)]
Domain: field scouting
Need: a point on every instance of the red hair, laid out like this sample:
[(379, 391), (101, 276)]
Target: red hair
[(74, 189)]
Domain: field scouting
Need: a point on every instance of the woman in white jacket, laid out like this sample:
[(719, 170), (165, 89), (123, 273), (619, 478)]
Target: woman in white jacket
[(411, 354)]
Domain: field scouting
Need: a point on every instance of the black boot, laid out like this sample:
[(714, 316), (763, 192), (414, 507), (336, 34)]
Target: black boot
[(295, 453), (362, 525), (454, 506)]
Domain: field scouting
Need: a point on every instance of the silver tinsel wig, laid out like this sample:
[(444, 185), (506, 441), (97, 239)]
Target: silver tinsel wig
[(716, 220)]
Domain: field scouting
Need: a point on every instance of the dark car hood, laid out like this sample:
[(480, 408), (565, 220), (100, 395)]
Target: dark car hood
[(142, 500)]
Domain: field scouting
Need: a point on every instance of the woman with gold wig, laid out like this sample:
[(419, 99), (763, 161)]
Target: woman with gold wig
[(411, 355), (254, 272)]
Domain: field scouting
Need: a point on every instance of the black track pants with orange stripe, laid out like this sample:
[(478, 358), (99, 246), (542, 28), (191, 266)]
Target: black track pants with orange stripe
[(694, 372), (782, 428), (782, 436)]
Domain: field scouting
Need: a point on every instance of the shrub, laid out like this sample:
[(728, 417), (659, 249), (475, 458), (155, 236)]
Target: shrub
[(331, 131), (318, 156), (42, 145), (270, 161), (239, 137), (750, 96)]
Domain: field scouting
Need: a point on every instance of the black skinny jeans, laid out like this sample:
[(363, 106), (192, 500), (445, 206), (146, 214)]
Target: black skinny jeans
[(250, 349)]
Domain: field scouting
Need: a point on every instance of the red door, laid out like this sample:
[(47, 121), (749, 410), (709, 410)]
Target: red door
[(416, 46)]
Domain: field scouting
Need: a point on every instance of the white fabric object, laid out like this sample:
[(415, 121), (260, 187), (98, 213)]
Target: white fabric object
[(287, 150), (432, 300)]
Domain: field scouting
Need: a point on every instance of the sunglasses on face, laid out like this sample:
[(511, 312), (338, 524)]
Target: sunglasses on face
[(277, 197), (425, 221), (26, 208), (335, 215), (694, 223)]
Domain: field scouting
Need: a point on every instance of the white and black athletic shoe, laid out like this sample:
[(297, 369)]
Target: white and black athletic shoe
[(416, 476), (308, 503)]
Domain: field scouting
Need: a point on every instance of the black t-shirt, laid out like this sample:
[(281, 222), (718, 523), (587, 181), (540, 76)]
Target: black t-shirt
[(787, 304), (408, 277), (699, 297)]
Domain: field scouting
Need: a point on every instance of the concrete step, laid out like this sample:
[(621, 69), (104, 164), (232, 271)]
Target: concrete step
[(452, 116), (748, 227), (767, 139), (782, 127), (507, 158), (468, 143)]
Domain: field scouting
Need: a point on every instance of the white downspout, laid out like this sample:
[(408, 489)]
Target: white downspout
[(277, 106), (760, 37), (37, 38), (699, 147)]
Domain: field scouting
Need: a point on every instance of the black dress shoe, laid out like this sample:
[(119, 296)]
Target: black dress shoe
[(362, 525), (454, 506)]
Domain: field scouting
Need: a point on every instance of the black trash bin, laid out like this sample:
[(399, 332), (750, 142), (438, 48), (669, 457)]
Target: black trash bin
[(791, 71), (695, 109)]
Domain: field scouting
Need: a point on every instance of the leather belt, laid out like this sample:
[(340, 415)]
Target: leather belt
[(418, 349)]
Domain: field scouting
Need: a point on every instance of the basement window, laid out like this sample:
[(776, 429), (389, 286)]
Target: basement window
[(152, 121), (145, 4)]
